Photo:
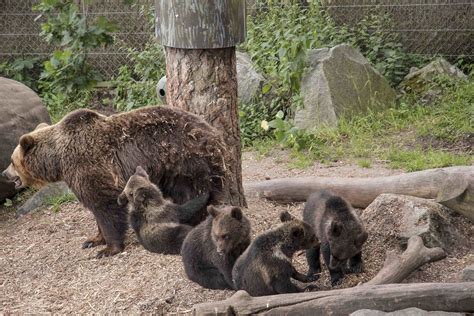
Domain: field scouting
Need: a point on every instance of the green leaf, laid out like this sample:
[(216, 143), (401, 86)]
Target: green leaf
[(267, 87), (280, 114)]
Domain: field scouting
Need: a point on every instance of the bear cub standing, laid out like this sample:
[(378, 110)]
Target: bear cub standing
[(211, 248), (265, 268), (159, 224), (340, 231)]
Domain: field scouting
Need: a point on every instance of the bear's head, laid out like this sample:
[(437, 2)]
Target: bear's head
[(139, 191), (20, 170), (230, 228), (298, 235)]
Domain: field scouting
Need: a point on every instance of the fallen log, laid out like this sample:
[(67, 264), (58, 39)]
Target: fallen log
[(452, 187), (449, 297), (397, 268)]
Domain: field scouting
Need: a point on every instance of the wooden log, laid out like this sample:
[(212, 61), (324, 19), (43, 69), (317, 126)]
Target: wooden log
[(450, 297), (398, 267), (452, 187)]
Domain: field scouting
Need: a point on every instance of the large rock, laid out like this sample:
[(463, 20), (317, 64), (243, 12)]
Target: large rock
[(21, 110), (467, 274), (249, 81), (421, 80), (340, 81), (399, 217), (42, 197), (412, 311)]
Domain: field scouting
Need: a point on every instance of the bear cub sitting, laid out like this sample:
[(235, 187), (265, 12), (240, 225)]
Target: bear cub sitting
[(160, 225), (266, 268), (211, 248), (340, 231)]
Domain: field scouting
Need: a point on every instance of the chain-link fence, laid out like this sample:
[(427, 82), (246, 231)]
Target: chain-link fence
[(428, 27)]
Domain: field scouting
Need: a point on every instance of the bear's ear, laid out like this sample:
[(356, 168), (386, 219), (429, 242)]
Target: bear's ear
[(213, 211), (122, 199), (27, 142), (335, 229), (361, 239), (297, 232), (41, 125), (236, 213), (141, 172), (286, 217)]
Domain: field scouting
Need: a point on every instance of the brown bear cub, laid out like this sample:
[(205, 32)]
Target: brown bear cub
[(211, 248), (160, 225), (340, 231), (265, 268)]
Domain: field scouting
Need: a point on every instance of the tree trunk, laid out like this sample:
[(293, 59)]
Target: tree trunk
[(452, 187), (204, 82), (449, 297)]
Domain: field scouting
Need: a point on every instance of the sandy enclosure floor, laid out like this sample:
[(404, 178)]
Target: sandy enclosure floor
[(44, 269)]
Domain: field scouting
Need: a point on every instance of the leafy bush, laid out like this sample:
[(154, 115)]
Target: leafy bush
[(25, 70), (136, 87), (67, 70)]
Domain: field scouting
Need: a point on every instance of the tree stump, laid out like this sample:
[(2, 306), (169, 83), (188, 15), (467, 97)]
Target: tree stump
[(204, 82)]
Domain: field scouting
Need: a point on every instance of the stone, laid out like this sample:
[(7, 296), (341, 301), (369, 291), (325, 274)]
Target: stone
[(42, 197), (421, 80), (412, 311), (400, 217), (21, 111), (467, 274), (340, 81), (249, 81)]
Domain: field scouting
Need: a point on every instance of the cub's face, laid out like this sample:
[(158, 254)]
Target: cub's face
[(301, 235), (345, 241), (229, 228), (17, 171), (138, 190)]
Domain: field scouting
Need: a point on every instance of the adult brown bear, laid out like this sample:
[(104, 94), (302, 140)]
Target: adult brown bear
[(95, 155)]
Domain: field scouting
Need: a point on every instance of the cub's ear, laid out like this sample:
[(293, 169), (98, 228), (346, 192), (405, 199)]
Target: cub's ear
[(41, 125), (361, 239), (27, 142), (141, 172), (335, 229), (297, 232), (236, 213), (286, 217), (213, 211), (122, 199)]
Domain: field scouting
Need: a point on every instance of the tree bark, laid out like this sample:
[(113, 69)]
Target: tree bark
[(398, 268), (452, 187), (449, 297), (204, 82)]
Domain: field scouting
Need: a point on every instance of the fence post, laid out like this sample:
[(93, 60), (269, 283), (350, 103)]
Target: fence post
[(199, 37)]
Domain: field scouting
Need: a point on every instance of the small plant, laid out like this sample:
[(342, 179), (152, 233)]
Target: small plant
[(55, 202), (25, 70), (8, 203)]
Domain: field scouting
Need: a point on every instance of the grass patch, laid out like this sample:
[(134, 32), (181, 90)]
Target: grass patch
[(411, 136), (55, 202)]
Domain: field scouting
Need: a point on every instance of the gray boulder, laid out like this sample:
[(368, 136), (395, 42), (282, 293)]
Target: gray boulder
[(412, 311), (340, 81), (21, 111), (42, 197), (249, 81), (399, 217), (421, 80), (467, 274)]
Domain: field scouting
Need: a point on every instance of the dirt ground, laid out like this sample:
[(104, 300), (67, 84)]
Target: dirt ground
[(43, 268)]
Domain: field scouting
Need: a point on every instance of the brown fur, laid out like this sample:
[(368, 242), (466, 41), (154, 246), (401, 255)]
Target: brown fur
[(266, 268), (341, 232), (211, 248), (95, 155), (160, 225)]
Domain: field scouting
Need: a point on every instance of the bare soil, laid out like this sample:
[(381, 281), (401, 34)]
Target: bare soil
[(43, 268)]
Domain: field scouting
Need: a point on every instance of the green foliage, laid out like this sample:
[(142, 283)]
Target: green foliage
[(67, 70), (55, 202), (136, 87), (24, 69)]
